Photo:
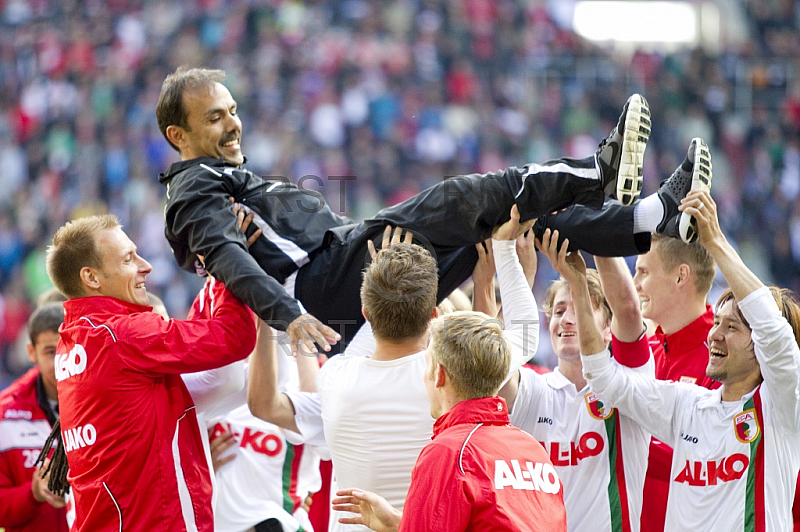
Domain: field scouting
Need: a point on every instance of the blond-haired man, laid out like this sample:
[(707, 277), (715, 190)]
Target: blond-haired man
[(128, 423)]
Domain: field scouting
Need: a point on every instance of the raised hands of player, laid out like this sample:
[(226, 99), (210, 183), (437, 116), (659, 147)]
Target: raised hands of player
[(512, 228), (526, 251), (571, 266), (371, 510), (390, 236), (483, 297), (39, 487), (701, 206), (306, 331)]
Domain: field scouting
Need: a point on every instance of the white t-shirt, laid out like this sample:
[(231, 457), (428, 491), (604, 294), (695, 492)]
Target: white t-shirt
[(268, 477), (735, 464), (375, 415), (590, 444)]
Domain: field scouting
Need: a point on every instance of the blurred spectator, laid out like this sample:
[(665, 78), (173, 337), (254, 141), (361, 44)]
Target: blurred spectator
[(398, 94)]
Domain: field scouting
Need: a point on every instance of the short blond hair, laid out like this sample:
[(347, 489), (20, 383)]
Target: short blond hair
[(75, 247), (473, 349)]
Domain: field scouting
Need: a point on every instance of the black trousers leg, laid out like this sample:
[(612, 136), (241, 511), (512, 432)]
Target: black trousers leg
[(448, 219), (605, 233)]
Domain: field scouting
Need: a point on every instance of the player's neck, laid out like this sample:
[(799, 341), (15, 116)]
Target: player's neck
[(386, 350), (573, 371), (682, 315)]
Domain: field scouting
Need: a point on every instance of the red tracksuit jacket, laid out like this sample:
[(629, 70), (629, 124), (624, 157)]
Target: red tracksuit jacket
[(23, 430), (480, 473), (128, 423)]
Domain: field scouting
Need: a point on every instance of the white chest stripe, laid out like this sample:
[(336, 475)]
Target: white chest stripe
[(187, 509), (114, 500), (292, 250)]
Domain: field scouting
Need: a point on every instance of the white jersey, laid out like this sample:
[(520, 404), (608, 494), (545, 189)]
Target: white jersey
[(269, 478), (735, 463), (375, 414), (600, 456)]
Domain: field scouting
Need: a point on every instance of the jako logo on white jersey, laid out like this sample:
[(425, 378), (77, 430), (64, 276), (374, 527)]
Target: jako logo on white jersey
[(79, 437), (72, 363), (590, 444), (535, 477), (709, 473)]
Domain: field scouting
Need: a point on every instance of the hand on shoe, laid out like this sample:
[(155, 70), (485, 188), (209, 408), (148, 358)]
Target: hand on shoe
[(701, 206), (305, 331)]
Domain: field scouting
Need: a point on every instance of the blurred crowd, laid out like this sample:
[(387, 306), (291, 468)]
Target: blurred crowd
[(396, 95)]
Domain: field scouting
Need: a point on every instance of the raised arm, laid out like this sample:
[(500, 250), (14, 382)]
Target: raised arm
[(615, 277), (263, 397), (483, 298), (774, 339), (700, 205), (520, 313), (572, 268)]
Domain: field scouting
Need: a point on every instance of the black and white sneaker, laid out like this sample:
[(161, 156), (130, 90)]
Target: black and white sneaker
[(620, 157), (693, 174)]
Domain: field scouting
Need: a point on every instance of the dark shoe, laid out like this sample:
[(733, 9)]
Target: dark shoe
[(693, 174), (620, 156)]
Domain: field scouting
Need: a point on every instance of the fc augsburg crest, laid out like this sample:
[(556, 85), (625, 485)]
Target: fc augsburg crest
[(746, 426), (597, 409)]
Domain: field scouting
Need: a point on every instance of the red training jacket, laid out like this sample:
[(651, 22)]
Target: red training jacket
[(136, 459), (480, 473), (23, 430)]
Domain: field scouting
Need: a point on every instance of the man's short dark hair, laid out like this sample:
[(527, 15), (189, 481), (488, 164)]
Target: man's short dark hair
[(170, 110), (46, 318)]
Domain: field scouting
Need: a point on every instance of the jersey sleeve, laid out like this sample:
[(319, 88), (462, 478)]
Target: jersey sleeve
[(519, 306), (153, 345), (527, 403), (632, 354), (308, 418), (777, 353), (649, 402), (439, 498)]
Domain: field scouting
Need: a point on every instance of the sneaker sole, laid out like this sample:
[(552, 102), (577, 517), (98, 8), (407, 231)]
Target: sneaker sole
[(631, 164), (701, 180)]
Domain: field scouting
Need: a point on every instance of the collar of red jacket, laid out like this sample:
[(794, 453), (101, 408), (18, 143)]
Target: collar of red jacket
[(486, 410), (99, 306), (689, 337)]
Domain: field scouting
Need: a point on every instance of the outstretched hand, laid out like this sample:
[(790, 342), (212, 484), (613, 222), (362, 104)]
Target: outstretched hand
[(390, 238), (371, 510), (305, 331), (570, 266)]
